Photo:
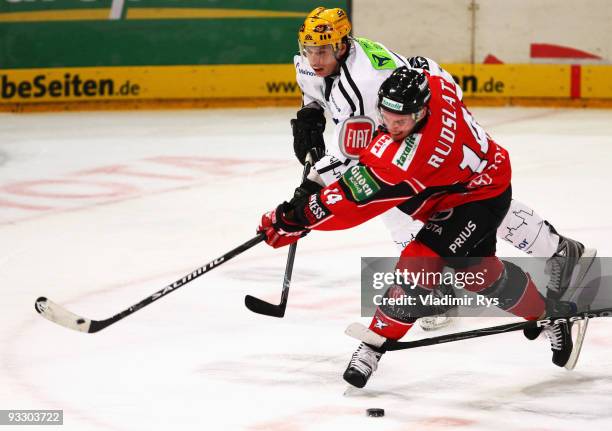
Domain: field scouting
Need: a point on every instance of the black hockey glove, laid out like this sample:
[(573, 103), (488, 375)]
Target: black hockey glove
[(307, 188), (308, 130)]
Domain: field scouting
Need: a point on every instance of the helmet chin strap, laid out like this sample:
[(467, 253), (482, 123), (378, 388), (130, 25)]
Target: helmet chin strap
[(342, 58), (418, 116), (421, 121)]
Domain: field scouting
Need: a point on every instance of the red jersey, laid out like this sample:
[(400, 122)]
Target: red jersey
[(448, 161)]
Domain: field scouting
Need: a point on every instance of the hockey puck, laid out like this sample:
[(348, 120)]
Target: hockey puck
[(375, 413)]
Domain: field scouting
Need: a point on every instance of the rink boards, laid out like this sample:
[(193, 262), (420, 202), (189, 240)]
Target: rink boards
[(273, 84)]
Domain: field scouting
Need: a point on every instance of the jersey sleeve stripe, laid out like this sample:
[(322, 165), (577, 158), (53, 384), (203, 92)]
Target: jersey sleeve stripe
[(333, 166), (329, 217), (412, 212), (377, 201), (354, 87), (329, 82), (329, 167), (416, 189), (400, 59), (373, 170), (347, 97)]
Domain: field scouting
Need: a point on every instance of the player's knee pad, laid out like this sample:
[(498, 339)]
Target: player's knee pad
[(478, 273), (526, 230), (421, 261), (428, 281), (515, 291)]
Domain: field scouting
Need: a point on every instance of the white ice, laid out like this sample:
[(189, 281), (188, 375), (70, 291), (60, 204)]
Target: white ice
[(99, 210)]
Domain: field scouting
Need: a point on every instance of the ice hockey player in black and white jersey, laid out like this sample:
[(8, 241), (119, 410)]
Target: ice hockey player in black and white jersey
[(341, 74)]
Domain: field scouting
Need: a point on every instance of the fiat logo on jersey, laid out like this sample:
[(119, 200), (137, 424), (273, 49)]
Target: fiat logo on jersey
[(355, 136)]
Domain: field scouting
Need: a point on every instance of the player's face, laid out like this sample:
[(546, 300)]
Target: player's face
[(322, 59), (398, 125)]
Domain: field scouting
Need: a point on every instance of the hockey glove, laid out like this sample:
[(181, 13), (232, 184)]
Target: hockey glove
[(308, 130), (307, 188), (280, 230)]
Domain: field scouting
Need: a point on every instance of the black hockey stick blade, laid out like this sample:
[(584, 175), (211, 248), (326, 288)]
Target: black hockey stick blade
[(259, 306), (63, 317)]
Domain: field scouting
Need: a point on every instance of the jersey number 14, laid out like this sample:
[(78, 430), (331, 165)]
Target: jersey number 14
[(470, 158)]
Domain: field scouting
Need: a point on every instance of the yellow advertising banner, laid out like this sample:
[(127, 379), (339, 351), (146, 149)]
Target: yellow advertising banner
[(596, 82), (512, 80), (267, 82), (137, 83)]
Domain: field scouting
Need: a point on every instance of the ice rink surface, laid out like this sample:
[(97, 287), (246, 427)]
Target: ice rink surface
[(99, 210)]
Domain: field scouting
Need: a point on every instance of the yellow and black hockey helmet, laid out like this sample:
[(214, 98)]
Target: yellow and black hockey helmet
[(324, 27)]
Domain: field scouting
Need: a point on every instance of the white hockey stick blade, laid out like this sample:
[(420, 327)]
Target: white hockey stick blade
[(581, 327), (58, 314), (361, 333)]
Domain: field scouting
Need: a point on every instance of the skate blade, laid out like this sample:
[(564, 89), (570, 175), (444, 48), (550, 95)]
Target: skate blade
[(435, 326), (581, 327)]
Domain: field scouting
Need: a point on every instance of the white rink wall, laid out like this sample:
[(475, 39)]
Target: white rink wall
[(462, 31)]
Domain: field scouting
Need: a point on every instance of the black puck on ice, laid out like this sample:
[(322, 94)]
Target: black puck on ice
[(375, 413)]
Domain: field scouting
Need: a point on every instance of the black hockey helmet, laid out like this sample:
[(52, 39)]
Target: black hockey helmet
[(405, 91)]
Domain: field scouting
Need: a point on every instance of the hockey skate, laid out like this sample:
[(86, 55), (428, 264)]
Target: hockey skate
[(560, 337), (567, 268), (432, 323), (361, 366), (564, 345), (442, 318)]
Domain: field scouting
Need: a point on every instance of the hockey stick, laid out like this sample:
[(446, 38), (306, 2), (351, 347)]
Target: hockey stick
[(260, 306), (58, 314), (362, 333)]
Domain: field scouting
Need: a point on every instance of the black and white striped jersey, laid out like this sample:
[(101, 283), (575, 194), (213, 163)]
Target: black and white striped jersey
[(353, 91)]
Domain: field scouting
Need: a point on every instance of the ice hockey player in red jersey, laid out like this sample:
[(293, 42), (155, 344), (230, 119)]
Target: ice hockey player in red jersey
[(340, 75), (430, 157)]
